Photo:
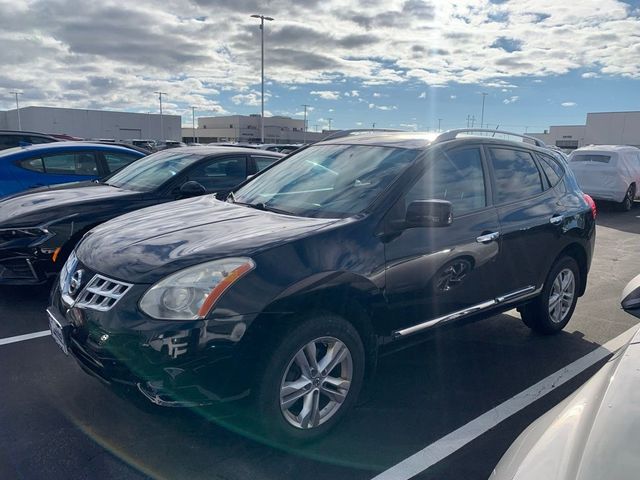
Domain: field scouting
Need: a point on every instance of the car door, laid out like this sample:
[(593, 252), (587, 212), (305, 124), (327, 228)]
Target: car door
[(435, 271), (219, 174), (530, 218)]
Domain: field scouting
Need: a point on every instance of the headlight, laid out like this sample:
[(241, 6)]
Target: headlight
[(191, 293), (28, 233)]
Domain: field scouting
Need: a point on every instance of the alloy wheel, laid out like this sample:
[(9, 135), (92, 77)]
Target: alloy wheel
[(562, 294), (316, 382)]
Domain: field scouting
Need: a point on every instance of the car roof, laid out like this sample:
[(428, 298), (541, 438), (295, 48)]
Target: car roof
[(606, 148), (24, 132), (422, 140), (222, 149), (41, 147)]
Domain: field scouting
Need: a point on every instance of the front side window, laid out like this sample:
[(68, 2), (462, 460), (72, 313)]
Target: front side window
[(516, 175), (115, 161), (80, 163), (151, 172), (455, 176), (330, 181), (263, 162), (224, 172)]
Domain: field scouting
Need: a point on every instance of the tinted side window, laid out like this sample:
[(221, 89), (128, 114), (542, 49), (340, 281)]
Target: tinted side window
[(36, 140), (223, 172), (115, 161), (456, 177), (516, 174), (551, 168), (263, 162), (33, 164), (71, 164), (9, 141)]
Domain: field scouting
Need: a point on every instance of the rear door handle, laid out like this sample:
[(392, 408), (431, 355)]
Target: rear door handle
[(556, 219), (488, 237)]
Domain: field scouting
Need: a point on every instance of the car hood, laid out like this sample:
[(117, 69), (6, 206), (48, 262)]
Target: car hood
[(591, 435), (37, 207), (148, 244)]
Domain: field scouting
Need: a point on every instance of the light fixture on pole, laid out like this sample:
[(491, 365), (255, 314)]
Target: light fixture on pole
[(329, 120), (262, 19), (161, 119), (193, 122), (304, 127), (482, 114), (17, 108)]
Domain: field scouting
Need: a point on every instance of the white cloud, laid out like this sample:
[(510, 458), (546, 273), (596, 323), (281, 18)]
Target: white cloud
[(453, 97), (251, 99), (511, 99), (376, 95), (382, 107), (114, 53), (568, 104), (423, 95), (326, 94)]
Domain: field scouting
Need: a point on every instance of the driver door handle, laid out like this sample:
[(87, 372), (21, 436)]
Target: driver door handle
[(556, 219), (488, 237)]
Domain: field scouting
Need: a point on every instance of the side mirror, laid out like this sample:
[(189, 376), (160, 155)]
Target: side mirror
[(192, 189), (630, 300), (429, 213)]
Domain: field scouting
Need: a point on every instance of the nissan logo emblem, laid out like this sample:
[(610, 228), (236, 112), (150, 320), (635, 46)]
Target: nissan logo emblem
[(76, 281)]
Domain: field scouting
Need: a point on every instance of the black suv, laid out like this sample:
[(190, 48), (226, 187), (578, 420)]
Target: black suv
[(285, 293)]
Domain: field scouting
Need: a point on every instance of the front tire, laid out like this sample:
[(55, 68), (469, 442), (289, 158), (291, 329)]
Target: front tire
[(552, 309), (312, 379)]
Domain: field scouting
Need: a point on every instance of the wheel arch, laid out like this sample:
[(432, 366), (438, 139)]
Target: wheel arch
[(579, 254)]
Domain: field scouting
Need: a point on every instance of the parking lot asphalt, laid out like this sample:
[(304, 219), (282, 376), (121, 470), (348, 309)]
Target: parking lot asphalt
[(57, 422)]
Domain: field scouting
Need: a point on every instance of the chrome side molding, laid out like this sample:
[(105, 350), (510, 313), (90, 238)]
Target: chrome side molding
[(465, 312)]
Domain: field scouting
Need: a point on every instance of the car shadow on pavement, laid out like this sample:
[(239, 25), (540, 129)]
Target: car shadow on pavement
[(419, 395), (609, 216)]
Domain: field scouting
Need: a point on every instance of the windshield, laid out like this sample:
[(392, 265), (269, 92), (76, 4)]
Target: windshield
[(330, 181), (150, 172)]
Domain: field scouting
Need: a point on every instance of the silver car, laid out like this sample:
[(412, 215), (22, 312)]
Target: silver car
[(592, 435)]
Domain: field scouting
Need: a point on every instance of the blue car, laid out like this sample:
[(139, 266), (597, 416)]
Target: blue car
[(35, 166)]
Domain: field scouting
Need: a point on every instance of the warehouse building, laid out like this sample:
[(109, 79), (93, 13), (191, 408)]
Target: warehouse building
[(246, 128), (93, 123), (601, 128)]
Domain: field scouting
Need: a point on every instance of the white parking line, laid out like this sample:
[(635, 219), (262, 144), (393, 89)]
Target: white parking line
[(22, 338), (442, 448)]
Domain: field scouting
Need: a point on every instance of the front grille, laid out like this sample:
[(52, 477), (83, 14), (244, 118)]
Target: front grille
[(102, 293)]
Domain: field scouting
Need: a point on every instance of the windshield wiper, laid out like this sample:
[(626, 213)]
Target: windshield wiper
[(265, 208)]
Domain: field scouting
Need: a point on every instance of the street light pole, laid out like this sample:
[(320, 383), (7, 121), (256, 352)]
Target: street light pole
[(262, 19), (329, 119), (161, 119), (439, 123), (18, 109), (304, 128), (482, 114), (193, 122)]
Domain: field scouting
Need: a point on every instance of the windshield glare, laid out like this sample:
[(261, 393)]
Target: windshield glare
[(331, 181), (151, 172)]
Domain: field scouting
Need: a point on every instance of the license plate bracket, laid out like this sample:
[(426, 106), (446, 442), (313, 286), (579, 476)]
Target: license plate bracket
[(59, 332)]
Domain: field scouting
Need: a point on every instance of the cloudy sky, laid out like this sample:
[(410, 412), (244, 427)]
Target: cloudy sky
[(395, 63)]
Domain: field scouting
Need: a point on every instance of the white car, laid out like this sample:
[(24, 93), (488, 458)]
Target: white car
[(608, 172), (593, 434)]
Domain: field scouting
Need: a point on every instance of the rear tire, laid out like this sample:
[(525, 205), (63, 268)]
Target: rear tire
[(629, 198), (296, 399), (552, 309)]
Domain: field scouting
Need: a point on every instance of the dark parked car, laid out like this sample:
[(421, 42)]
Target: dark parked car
[(19, 138), (38, 229), (286, 293), (35, 166)]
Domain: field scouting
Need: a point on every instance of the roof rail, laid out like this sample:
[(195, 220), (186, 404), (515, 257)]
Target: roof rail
[(453, 134), (346, 133)]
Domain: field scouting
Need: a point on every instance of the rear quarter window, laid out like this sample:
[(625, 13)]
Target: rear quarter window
[(552, 169), (32, 164)]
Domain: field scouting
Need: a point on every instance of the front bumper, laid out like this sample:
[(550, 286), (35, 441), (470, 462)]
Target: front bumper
[(170, 363), (26, 267)]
